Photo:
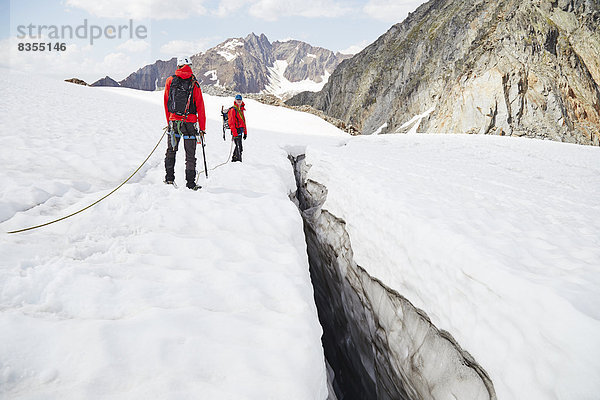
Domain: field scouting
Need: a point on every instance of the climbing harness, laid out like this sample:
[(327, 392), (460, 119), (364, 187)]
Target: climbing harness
[(175, 134), (102, 198)]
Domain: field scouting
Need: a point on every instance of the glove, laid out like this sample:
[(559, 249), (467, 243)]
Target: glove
[(245, 134), (200, 138)]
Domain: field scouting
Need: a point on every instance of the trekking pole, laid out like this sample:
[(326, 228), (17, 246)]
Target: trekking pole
[(204, 155), (224, 126)]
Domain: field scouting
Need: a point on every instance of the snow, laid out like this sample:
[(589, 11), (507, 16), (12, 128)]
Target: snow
[(212, 75), (416, 121), (380, 129), (233, 43), (227, 55), (280, 86), (496, 238), (159, 292), (155, 292), (229, 49)]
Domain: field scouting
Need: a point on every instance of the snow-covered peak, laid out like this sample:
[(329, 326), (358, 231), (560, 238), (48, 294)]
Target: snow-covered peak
[(229, 49)]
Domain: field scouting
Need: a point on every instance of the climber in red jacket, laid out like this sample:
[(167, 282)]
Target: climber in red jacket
[(184, 107), (237, 124)]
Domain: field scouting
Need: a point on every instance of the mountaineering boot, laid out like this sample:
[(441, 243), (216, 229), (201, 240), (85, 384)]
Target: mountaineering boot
[(190, 177), (170, 183)]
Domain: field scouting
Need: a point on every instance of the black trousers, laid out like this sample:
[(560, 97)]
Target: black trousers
[(182, 129), (237, 152)]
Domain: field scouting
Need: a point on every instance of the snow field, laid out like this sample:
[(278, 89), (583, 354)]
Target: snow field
[(159, 292), (155, 292), (496, 238)]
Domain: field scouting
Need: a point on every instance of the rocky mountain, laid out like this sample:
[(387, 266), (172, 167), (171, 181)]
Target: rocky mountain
[(152, 76), (247, 65), (77, 81), (514, 67), (106, 81), (253, 65)]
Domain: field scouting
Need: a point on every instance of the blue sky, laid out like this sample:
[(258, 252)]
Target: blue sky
[(181, 27)]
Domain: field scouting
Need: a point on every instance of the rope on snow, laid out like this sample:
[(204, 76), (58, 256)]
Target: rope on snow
[(99, 200), (123, 183), (217, 166)]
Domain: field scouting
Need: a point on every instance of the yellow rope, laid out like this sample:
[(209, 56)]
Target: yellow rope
[(99, 200), (217, 166)]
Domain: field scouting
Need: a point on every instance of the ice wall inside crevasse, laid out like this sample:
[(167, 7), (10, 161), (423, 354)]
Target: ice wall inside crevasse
[(378, 344)]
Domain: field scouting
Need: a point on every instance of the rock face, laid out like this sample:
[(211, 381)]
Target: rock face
[(106, 81), (378, 344), (248, 65), (237, 64), (516, 67), (151, 77), (305, 61), (77, 81)]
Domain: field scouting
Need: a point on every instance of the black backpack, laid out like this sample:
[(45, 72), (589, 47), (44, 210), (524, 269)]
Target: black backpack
[(225, 114), (180, 95)]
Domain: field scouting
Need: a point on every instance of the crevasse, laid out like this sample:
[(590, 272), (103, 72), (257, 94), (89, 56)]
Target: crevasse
[(378, 344)]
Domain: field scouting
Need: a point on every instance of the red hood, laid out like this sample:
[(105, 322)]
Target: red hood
[(241, 106), (184, 72)]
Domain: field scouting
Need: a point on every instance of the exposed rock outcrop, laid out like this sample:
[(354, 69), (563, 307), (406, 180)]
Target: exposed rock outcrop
[(151, 77), (76, 81), (516, 67), (305, 61), (106, 81)]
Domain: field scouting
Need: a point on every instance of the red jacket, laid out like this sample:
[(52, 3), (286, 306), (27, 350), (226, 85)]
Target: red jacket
[(236, 119), (184, 73)]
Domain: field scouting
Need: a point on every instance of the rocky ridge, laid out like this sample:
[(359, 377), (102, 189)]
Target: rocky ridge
[(248, 65), (77, 81), (245, 65), (106, 81), (518, 67)]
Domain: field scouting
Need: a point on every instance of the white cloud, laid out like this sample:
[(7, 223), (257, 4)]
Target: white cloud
[(116, 61), (391, 10), (228, 7), (140, 9), (78, 61), (272, 10), (134, 46), (184, 47), (356, 48)]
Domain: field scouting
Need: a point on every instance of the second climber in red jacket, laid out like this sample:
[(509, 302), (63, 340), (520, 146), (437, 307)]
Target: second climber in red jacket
[(184, 107), (237, 124)]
